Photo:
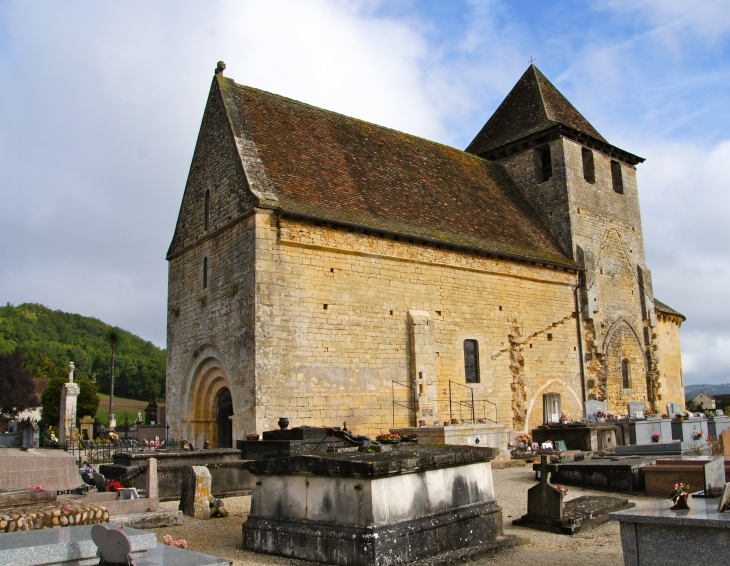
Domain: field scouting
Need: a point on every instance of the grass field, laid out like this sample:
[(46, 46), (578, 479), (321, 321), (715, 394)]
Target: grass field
[(122, 406)]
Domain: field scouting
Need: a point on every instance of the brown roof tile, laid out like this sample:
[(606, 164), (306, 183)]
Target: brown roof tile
[(340, 168), (666, 309), (533, 105)]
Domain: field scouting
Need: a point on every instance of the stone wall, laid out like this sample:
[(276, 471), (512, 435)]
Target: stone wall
[(601, 228), (333, 328), (670, 359)]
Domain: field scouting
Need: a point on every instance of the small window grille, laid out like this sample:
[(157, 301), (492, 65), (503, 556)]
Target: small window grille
[(543, 163), (589, 170), (617, 177), (471, 361)]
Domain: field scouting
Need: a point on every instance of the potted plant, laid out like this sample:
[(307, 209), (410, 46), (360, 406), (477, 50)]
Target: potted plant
[(388, 438), (252, 436), (679, 496)]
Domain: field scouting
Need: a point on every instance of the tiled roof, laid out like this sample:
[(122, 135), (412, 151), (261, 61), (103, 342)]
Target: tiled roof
[(661, 307), (335, 167), (533, 105)]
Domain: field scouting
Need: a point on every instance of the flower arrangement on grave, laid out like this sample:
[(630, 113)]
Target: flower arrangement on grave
[(88, 470), (454, 421), (481, 421), (113, 485), (562, 489), (388, 438), (679, 496), (698, 434), (523, 438), (557, 456), (39, 487), (563, 418), (168, 540), (610, 416), (656, 437), (600, 415), (665, 416), (421, 422), (252, 436), (153, 443)]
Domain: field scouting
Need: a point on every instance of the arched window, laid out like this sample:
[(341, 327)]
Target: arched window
[(205, 273), (206, 221), (471, 361), (625, 377)]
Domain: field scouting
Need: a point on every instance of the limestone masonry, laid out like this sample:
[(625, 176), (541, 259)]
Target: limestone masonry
[(326, 269)]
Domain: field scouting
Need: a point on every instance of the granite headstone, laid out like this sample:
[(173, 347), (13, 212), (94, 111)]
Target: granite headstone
[(31, 435), (637, 409), (592, 407), (673, 409)]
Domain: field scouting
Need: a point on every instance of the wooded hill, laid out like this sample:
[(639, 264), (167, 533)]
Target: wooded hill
[(49, 340)]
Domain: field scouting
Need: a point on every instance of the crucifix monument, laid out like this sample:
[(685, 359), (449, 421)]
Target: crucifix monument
[(67, 421)]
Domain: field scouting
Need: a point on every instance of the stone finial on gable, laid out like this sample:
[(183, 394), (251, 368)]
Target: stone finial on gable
[(220, 67)]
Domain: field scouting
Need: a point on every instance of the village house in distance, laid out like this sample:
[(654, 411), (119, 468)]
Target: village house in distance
[(324, 267)]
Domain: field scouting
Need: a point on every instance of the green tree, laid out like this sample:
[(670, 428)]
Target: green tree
[(17, 391), (86, 404)]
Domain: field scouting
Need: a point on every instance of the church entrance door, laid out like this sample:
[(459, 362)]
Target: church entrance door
[(224, 412)]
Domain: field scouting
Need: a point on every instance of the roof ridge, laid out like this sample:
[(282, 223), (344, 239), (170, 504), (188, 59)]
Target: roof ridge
[(380, 126), (535, 70)]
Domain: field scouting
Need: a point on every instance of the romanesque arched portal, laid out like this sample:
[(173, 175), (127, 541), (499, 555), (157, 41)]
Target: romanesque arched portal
[(208, 400)]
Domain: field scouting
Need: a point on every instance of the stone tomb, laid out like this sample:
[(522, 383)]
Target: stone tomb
[(587, 437), (652, 534), (478, 434), (718, 424), (288, 442), (622, 474), (689, 430), (74, 546), (660, 479), (376, 509), (641, 431), (547, 510), (55, 470)]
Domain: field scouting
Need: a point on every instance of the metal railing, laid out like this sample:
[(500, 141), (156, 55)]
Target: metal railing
[(462, 401), (407, 399), (95, 454)]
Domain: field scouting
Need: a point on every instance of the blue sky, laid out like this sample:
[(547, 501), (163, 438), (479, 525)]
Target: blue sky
[(101, 104)]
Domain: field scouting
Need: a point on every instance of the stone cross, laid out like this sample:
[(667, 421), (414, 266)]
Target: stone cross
[(67, 417), (543, 500), (544, 468)]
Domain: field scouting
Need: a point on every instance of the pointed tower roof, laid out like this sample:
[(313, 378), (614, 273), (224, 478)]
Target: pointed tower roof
[(533, 105)]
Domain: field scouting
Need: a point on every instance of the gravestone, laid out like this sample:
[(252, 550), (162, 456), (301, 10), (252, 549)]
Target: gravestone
[(725, 439), (67, 420), (724, 504), (196, 493), (114, 546), (643, 431), (593, 407), (544, 500), (547, 510), (12, 426), (636, 410), (31, 435), (714, 472), (86, 428), (673, 409)]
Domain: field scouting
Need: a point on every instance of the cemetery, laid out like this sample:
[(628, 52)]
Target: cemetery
[(329, 495)]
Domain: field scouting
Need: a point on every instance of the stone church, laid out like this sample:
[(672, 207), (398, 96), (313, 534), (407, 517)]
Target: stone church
[(327, 269)]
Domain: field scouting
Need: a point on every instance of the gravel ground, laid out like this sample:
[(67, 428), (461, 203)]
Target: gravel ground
[(222, 537)]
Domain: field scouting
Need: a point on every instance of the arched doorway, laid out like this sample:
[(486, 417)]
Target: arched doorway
[(224, 412), (207, 400)]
